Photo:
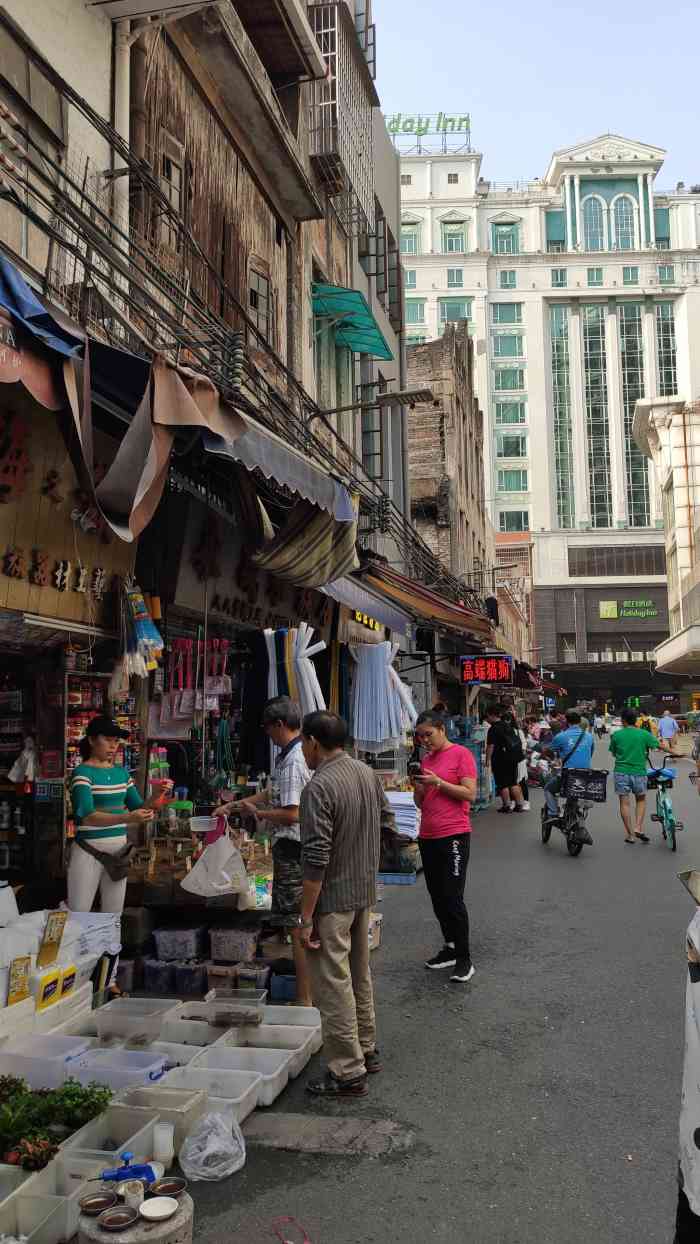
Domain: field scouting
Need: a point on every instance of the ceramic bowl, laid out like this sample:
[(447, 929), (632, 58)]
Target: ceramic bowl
[(158, 1208), (170, 1186), (96, 1203), (118, 1219)]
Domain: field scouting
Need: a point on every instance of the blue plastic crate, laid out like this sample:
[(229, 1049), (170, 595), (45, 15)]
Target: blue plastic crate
[(283, 988), (397, 878)]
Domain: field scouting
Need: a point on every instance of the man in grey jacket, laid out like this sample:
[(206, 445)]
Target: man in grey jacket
[(342, 812)]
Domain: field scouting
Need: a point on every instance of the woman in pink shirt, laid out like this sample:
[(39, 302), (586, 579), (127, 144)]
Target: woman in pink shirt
[(443, 791)]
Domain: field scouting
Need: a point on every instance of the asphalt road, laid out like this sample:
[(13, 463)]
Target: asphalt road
[(544, 1097)]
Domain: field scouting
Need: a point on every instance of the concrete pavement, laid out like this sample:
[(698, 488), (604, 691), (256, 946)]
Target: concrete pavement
[(538, 1104)]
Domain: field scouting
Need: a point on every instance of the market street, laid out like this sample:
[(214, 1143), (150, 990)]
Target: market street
[(544, 1097)]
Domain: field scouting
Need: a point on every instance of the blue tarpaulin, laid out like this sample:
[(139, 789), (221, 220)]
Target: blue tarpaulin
[(23, 305)]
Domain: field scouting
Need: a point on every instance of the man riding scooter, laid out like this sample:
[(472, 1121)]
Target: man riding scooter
[(574, 748)]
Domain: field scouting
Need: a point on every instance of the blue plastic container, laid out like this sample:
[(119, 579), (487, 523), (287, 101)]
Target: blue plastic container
[(283, 988), (397, 878)]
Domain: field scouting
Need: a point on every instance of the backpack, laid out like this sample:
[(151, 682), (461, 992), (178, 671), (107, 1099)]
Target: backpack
[(512, 746)]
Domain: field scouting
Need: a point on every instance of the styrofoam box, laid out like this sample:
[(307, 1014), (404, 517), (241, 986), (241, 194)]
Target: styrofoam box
[(114, 1131), (12, 1179), (130, 1017), (303, 1016), (66, 1177), (235, 1091), (117, 1067), (271, 1065), (44, 1062), (40, 1219), (181, 1107), (275, 1037), (13, 1019)]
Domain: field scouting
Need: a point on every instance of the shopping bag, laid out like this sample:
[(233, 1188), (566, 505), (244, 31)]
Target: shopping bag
[(219, 870)]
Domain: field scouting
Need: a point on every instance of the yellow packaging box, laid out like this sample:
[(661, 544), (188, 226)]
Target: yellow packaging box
[(69, 976), (47, 988)]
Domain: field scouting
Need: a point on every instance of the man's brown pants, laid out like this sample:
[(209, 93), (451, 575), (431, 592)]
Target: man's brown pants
[(342, 991)]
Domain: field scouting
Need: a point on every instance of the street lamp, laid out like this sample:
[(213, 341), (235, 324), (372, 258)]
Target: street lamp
[(403, 397)]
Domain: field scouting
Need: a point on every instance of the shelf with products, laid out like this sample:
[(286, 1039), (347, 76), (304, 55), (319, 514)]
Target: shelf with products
[(86, 695)]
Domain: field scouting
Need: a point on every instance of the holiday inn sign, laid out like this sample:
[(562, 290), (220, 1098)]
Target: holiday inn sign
[(428, 123), (610, 609)]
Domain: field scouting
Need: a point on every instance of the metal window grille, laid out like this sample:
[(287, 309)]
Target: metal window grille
[(593, 225), (624, 223), (510, 412), (511, 445), (455, 278), (341, 117), (259, 302), (506, 279), (563, 429), (595, 276), (632, 365), (508, 345), (508, 379), (452, 179), (666, 349), (558, 278), (597, 426), (514, 520), (630, 275), (512, 481)]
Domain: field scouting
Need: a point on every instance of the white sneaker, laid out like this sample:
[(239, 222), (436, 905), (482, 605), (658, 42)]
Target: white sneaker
[(512, 805), (525, 805)]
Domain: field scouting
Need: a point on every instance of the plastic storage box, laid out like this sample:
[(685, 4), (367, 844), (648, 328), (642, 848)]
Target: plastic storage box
[(190, 980), (77, 1003), (271, 1065), (117, 1130), (39, 1219), (12, 1179), (233, 945), (282, 988), (132, 1017), (176, 1055), (42, 1061), (296, 1016), (118, 1068), (181, 943), (179, 1106), (197, 1023), (159, 976), (235, 1091), (292, 1037), (14, 1020), (66, 1177)]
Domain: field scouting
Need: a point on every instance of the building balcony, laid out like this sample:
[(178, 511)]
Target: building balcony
[(680, 653)]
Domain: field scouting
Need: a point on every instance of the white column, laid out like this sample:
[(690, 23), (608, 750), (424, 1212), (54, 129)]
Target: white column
[(567, 208), (582, 503), (652, 226), (651, 380), (642, 213), (577, 201), (618, 475)]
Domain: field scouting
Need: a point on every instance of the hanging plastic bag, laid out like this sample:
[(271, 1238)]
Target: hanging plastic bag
[(214, 1149), (219, 870)]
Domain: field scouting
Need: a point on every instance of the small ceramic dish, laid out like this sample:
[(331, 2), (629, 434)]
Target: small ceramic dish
[(159, 1208), (96, 1203), (170, 1186), (118, 1219)]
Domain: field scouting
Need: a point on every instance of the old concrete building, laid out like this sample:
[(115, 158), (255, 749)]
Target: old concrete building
[(446, 454)]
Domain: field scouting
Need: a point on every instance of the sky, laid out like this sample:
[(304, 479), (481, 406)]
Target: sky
[(539, 76)]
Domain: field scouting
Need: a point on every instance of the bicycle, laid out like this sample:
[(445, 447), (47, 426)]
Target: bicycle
[(661, 780)]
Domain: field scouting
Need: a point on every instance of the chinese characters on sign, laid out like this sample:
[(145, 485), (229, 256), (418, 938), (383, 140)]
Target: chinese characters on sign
[(66, 575), (612, 609), (493, 669), (365, 620)]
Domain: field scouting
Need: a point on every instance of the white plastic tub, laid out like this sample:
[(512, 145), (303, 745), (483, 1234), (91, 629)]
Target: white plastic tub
[(18, 1018), (134, 1017), (44, 1062), (40, 1219), (115, 1131), (179, 1106), (76, 1004), (236, 1091), (66, 1177), (12, 1178), (271, 1065), (176, 1055), (301, 1016), (192, 1023), (118, 1068), (290, 1037)]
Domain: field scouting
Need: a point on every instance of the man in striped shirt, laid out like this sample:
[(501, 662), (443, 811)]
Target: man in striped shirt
[(342, 812)]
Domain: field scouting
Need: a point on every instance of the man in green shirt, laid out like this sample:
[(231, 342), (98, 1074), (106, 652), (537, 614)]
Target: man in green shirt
[(630, 748)]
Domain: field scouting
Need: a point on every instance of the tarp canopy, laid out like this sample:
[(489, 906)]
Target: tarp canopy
[(353, 321), (23, 305), (425, 605)]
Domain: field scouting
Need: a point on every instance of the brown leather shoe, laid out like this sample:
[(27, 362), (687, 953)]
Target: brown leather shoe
[(373, 1063), (332, 1088)]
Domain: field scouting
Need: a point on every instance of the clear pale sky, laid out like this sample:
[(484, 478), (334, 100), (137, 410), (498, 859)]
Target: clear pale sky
[(536, 77)]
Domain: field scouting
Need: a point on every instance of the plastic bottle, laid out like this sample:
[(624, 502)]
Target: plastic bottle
[(17, 824), (4, 815)]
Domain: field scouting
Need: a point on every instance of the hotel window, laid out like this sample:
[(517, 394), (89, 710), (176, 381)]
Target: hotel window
[(415, 311), (631, 337), (595, 277), (452, 179), (666, 273), (509, 379), (453, 309), (406, 179), (511, 445), (508, 345), (558, 278), (609, 561), (630, 275), (623, 218), (593, 224), (666, 350), (507, 312), (510, 412), (506, 278), (409, 278), (512, 481), (455, 278), (454, 238), (410, 238), (505, 239), (563, 426), (514, 520)]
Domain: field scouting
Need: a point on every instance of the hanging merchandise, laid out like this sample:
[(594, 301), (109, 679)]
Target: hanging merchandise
[(142, 641), (291, 670), (381, 708)]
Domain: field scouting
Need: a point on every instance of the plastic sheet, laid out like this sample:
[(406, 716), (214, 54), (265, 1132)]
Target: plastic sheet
[(214, 1149)]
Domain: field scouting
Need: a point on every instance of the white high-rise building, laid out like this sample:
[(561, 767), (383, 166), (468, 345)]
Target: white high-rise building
[(582, 289)]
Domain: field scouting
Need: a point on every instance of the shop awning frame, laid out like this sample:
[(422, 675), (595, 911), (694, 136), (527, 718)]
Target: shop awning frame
[(356, 595), (427, 607), (352, 318)]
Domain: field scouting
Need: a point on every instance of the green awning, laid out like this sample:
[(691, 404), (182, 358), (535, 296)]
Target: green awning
[(352, 319)]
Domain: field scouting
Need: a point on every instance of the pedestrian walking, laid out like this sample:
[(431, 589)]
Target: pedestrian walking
[(522, 769), (504, 753), (668, 728), (342, 812), (278, 814), (630, 747), (443, 791)]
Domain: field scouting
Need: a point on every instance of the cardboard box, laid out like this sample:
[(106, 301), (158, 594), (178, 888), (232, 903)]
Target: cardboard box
[(375, 930)]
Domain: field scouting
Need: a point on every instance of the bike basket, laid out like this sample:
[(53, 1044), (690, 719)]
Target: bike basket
[(584, 784)]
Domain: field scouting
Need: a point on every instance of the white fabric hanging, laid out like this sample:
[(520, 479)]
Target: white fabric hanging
[(377, 704), (272, 684), (310, 694)]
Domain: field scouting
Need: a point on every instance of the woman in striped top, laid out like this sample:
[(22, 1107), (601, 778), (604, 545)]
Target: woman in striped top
[(105, 803)]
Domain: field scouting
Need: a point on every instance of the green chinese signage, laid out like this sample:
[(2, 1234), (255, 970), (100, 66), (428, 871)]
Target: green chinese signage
[(611, 609), (420, 124)]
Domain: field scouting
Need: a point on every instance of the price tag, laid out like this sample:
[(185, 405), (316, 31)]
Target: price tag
[(51, 941), (18, 985)]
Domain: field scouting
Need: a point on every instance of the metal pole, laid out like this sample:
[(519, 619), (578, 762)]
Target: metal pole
[(204, 668)]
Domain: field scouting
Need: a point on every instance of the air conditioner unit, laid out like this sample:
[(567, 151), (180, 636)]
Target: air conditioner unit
[(593, 658), (636, 656), (606, 655), (622, 655)]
